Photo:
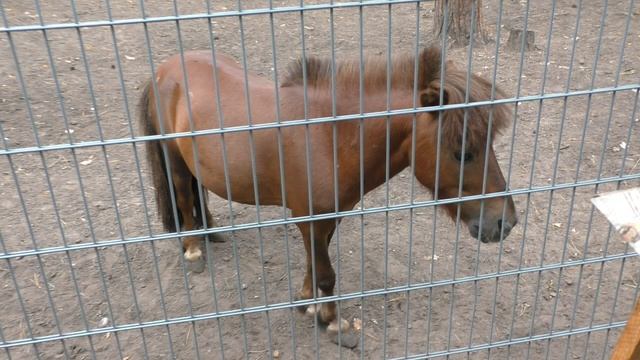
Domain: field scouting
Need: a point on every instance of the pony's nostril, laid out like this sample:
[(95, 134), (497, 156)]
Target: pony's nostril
[(474, 230), (504, 226)]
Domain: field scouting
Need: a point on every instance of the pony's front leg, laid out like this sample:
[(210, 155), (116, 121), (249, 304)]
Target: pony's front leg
[(324, 274), (191, 248)]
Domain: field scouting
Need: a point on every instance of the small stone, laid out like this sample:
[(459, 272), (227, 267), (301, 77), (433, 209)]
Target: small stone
[(196, 266), (244, 286), (103, 322), (348, 339)]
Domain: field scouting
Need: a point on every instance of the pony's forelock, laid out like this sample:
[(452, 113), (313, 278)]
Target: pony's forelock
[(483, 123)]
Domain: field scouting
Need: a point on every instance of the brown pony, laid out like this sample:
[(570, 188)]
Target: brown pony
[(174, 108)]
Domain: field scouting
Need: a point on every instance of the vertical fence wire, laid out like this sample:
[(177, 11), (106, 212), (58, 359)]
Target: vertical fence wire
[(168, 161), (525, 221), (23, 206), (496, 55), (158, 106), (361, 147), (414, 103), (126, 108), (201, 196), (114, 200), (57, 215), (556, 165), (210, 254), (487, 149), (604, 146), (601, 163), (281, 171), (618, 184), (387, 146), (436, 187), (367, 296), (587, 116), (336, 172), (254, 171), (532, 173)]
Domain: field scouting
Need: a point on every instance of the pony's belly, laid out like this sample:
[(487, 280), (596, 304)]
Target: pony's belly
[(244, 194), (233, 186), (238, 185)]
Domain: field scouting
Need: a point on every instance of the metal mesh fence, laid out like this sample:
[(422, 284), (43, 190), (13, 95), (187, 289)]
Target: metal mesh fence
[(87, 270)]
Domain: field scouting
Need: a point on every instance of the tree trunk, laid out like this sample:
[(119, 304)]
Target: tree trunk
[(460, 16)]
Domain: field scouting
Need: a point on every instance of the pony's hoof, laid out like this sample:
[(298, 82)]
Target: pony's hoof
[(348, 339), (302, 309), (196, 266), (312, 310), (192, 255), (216, 238)]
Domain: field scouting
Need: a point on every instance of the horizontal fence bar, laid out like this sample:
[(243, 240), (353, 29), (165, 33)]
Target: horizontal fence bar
[(293, 304), (314, 121), (517, 341), (326, 216), (266, 306), (200, 16)]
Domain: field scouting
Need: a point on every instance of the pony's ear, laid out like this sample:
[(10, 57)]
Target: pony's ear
[(431, 97)]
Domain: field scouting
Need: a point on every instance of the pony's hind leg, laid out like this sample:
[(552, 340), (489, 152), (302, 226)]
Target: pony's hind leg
[(188, 206), (205, 221)]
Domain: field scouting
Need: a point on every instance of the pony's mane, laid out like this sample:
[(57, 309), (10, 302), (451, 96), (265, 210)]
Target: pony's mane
[(347, 72), (318, 74)]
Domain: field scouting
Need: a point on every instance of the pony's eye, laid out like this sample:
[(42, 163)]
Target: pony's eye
[(468, 156)]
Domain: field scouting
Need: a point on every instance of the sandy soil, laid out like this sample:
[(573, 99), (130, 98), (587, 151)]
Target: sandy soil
[(97, 194)]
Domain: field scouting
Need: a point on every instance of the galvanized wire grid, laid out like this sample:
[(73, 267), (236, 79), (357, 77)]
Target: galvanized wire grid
[(87, 272)]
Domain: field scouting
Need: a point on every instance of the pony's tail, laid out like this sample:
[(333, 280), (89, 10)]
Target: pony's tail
[(155, 158)]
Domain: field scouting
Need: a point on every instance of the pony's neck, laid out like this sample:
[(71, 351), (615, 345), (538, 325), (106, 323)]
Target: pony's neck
[(375, 131)]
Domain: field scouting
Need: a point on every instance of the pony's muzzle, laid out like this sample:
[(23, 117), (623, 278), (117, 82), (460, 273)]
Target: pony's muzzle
[(492, 230)]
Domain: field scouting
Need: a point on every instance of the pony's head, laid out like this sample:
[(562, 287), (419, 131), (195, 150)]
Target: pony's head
[(467, 162)]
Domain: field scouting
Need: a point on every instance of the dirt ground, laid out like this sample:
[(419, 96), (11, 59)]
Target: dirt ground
[(97, 194)]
